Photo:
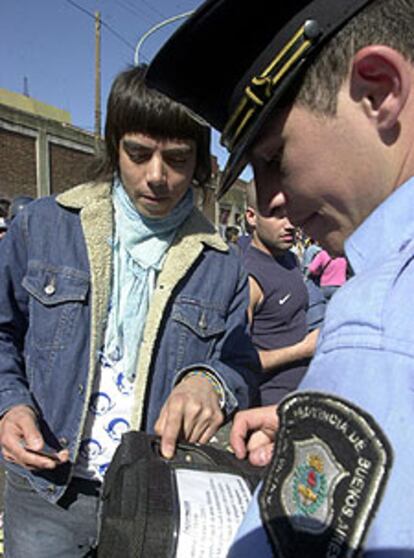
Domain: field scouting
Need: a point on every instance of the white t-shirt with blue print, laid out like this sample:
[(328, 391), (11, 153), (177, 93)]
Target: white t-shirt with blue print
[(109, 416)]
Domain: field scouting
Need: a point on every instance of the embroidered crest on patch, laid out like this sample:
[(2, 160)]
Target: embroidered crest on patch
[(307, 493), (326, 478)]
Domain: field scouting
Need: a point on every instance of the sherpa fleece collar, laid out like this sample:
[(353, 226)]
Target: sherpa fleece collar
[(198, 225)]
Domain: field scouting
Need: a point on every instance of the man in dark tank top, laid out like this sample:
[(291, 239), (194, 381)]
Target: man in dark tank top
[(278, 301)]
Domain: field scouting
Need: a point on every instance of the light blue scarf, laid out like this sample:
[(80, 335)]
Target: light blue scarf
[(139, 249)]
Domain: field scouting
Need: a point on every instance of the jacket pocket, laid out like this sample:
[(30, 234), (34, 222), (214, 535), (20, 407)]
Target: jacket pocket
[(57, 294), (197, 326)]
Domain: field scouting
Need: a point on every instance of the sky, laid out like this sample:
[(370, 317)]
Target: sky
[(48, 49)]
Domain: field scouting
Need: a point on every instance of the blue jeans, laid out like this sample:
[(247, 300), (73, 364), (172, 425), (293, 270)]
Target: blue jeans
[(36, 528), (328, 291)]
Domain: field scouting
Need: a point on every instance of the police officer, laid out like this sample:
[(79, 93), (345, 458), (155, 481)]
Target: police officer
[(319, 97)]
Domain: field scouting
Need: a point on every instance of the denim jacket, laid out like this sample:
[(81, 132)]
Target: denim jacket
[(55, 272)]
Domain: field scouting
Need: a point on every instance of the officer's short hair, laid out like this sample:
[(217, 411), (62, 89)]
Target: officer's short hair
[(133, 107), (384, 22)]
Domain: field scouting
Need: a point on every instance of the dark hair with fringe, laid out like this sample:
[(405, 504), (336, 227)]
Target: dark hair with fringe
[(134, 108)]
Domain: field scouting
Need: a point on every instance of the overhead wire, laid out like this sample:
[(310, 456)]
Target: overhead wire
[(132, 10), (155, 10), (103, 23)]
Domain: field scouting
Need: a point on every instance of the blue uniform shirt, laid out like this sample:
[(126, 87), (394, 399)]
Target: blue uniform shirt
[(366, 355)]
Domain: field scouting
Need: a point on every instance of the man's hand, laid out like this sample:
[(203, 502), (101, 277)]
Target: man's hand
[(253, 433), (20, 439), (191, 412)]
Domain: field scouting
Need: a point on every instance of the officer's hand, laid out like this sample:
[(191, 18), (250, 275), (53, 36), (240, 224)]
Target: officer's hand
[(191, 412), (20, 438), (253, 433)]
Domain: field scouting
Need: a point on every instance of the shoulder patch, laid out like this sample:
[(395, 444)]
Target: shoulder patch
[(326, 479)]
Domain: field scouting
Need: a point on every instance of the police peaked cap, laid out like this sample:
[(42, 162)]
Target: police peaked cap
[(233, 60)]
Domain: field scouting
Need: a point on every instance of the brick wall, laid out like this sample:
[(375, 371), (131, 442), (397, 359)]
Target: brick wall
[(68, 167), (17, 164), (41, 156)]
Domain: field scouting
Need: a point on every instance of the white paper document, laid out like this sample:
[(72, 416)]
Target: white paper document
[(212, 506)]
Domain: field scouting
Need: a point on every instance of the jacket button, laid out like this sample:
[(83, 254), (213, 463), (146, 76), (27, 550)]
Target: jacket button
[(51, 488), (50, 289), (80, 389), (202, 322), (63, 442)]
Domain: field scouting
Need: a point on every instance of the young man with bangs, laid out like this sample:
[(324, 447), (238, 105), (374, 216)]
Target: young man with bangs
[(121, 308)]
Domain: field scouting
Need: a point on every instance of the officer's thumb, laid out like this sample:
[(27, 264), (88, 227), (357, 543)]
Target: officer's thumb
[(261, 456)]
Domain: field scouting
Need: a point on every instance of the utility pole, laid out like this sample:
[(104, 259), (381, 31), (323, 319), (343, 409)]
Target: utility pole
[(97, 81)]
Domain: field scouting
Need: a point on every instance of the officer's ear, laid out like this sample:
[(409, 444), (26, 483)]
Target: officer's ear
[(381, 79), (251, 216)]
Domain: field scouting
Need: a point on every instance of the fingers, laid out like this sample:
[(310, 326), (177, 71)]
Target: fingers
[(257, 440), (169, 432), (206, 436), (17, 430), (21, 440), (201, 422), (43, 459), (29, 431), (238, 435), (201, 412), (261, 456), (191, 412), (160, 424), (261, 419), (188, 420)]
